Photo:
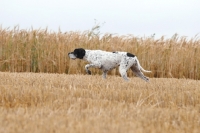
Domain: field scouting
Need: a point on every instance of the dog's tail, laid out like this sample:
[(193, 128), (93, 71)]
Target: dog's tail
[(144, 70), (141, 68)]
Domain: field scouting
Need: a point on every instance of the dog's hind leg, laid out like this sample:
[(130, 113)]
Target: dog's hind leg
[(125, 64), (138, 73), (123, 73)]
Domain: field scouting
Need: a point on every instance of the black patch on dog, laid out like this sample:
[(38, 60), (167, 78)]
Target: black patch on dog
[(79, 53), (130, 55), (114, 52)]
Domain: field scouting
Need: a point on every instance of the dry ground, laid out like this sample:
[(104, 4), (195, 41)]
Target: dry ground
[(47, 103)]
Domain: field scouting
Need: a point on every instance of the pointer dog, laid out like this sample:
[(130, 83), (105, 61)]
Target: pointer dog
[(107, 61)]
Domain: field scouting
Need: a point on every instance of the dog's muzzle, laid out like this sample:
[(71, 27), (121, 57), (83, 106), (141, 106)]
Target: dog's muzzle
[(72, 56)]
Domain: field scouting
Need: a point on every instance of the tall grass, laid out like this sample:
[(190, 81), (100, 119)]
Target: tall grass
[(46, 51)]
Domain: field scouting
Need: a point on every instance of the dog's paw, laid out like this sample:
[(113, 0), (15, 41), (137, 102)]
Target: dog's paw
[(89, 72)]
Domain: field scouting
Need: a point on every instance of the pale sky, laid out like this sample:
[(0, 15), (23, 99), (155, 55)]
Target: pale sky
[(122, 17)]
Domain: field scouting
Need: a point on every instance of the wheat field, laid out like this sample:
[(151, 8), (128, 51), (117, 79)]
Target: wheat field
[(48, 103), (46, 51), (43, 91)]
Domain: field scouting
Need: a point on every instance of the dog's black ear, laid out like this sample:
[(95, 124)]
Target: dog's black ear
[(79, 53)]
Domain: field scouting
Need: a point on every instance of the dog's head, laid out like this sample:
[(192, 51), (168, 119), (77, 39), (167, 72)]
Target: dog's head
[(78, 53)]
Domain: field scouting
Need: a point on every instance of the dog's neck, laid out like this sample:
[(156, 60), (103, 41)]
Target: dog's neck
[(86, 54)]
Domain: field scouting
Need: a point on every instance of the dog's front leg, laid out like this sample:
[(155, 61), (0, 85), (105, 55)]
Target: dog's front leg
[(104, 74), (97, 65)]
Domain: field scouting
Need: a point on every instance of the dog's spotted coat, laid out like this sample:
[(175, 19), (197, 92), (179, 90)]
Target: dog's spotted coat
[(107, 61)]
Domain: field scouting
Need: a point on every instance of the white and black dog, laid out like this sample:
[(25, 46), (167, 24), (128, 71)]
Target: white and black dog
[(109, 60)]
